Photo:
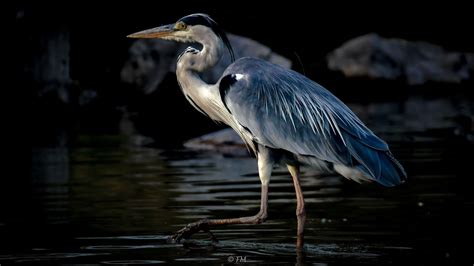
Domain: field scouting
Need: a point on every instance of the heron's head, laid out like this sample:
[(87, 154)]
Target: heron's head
[(192, 28)]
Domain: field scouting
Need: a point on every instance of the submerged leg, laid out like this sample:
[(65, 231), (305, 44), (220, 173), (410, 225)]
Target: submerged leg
[(265, 166), (300, 210)]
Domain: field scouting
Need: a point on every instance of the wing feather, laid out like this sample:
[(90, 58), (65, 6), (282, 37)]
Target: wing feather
[(285, 110)]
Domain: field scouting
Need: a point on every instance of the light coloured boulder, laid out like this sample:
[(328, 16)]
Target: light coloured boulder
[(225, 141), (373, 56)]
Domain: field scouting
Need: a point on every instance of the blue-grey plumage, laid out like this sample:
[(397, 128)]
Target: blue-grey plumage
[(284, 110), (283, 117)]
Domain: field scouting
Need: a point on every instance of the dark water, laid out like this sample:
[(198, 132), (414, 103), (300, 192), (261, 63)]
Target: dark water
[(108, 203)]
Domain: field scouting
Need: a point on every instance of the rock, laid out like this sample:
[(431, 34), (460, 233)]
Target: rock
[(151, 60), (225, 141), (373, 56)]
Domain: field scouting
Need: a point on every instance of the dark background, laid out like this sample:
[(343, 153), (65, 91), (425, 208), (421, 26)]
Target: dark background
[(302, 32)]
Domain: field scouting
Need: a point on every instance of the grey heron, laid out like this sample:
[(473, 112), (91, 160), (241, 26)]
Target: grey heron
[(284, 117)]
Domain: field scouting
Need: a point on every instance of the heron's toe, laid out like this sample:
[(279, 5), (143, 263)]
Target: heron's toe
[(190, 229)]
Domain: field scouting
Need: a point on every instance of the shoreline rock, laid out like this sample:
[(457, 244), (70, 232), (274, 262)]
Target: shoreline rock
[(225, 141), (416, 63)]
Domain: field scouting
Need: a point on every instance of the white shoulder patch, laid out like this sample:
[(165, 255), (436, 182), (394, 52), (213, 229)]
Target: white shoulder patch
[(238, 76)]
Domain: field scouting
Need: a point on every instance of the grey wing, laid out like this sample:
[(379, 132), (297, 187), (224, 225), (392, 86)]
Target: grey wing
[(285, 110)]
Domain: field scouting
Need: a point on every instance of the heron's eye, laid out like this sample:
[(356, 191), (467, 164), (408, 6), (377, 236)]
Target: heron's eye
[(180, 25)]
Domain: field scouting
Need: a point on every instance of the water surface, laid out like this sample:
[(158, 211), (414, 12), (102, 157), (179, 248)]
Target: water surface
[(109, 203)]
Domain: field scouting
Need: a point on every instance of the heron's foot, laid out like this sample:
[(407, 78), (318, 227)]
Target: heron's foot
[(190, 229), (259, 218)]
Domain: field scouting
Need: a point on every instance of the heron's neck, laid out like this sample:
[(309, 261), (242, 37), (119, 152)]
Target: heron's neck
[(203, 96), (193, 61)]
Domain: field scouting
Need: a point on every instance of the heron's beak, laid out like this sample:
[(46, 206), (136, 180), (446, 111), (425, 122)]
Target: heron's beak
[(158, 32)]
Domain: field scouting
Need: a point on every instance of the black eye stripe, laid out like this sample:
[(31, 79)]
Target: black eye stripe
[(196, 20), (201, 20), (205, 20)]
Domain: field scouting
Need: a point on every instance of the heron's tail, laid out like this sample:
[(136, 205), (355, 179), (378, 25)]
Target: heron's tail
[(380, 165), (392, 171)]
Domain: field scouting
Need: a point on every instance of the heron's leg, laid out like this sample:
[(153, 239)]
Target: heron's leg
[(300, 210), (265, 167)]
